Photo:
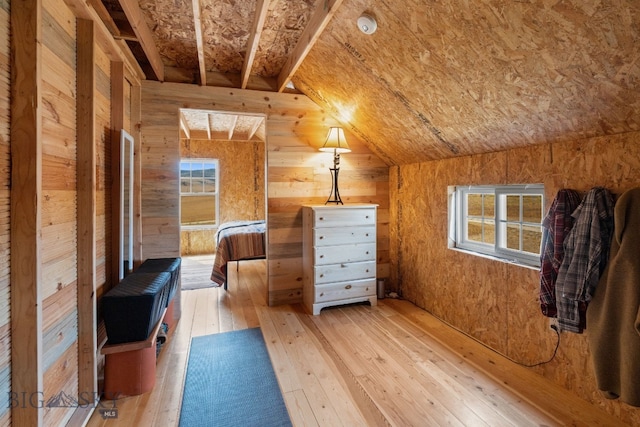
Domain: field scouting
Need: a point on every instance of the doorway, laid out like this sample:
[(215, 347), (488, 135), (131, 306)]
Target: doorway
[(236, 144)]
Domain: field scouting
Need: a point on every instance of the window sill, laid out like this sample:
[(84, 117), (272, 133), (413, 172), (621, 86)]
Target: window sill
[(497, 258)]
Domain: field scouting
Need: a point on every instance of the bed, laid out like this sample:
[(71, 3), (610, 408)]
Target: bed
[(237, 241)]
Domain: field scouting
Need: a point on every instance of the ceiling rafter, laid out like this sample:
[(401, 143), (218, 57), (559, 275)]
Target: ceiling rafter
[(103, 13), (256, 124), (197, 25), (184, 125), (220, 126), (115, 51), (216, 78), (262, 7), (232, 127), (310, 35), (135, 17)]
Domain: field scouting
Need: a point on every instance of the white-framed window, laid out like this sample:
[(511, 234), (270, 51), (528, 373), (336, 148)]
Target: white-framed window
[(500, 221), (199, 195)]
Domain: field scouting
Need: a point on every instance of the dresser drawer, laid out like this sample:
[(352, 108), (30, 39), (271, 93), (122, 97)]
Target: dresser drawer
[(345, 253), (341, 217), (345, 271), (342, 235), (345, 290)]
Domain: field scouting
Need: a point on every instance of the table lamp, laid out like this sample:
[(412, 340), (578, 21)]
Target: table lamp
[(337, 143)]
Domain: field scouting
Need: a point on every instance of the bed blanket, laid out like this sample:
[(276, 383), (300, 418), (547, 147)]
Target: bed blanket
[(237, 241)]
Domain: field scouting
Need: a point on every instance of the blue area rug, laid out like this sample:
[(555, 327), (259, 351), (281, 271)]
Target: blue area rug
[(230, 382)]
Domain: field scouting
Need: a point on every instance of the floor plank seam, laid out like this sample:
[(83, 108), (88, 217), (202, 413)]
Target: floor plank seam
[(372, 413)]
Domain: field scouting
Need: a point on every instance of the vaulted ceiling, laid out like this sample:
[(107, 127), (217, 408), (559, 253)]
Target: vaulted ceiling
[(437, 79)]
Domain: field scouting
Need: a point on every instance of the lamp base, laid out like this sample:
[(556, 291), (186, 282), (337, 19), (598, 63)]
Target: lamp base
[(334, 196)]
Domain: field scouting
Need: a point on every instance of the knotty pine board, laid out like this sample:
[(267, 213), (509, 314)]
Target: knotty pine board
[(59, 249)]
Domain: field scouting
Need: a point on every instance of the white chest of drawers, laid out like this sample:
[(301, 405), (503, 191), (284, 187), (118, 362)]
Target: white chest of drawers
[(339, 255)]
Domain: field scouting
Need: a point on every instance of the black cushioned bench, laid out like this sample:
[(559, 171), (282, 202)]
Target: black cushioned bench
[(134, 311), (134, 306), (170, 265)]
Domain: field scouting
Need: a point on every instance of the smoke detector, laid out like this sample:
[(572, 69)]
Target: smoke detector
[(367, 23)]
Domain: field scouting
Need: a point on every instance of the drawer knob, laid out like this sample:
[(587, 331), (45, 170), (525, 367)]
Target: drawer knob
[(321, 237), (365, 235), (321, 218), (342, 265), (322, 275), (322, 294), (367, 252), (348, 287), (321, 256), (367, 216), (366, 289), (367, 270)]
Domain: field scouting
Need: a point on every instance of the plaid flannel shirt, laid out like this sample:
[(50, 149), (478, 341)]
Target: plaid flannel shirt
[(586, 252), (556, 225)]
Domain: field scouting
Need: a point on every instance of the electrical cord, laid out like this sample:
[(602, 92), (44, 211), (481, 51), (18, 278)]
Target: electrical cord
[(533, 365), (555, 350)]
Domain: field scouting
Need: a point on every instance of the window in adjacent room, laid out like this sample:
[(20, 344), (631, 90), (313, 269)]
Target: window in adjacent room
[(504, 222), (199, 195)]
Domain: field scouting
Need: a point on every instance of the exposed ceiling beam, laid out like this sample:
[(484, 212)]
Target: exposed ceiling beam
[(130, 59), (232, 127), (126, 35), (184, 126), (262, 7), (309, 36), (115, 51), (136, 19), (215, 78), (254, 128), (197, 25), (103, 13)]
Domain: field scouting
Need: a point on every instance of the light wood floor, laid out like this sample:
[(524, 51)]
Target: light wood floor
[(392, 364)]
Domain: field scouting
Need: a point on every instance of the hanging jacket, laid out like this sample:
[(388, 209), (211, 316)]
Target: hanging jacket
[(586, 252), (613, 316), (556, 226)]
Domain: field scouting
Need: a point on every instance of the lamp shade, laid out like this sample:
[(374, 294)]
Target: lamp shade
[(336, 141)]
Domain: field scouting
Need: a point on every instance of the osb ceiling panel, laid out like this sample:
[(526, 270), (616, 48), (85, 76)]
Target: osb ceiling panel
[(284, 24), (438, 79), (172, 25), (226, 26), (441, 79)]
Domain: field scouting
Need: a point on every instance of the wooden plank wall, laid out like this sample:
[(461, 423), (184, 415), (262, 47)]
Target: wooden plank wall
[(5, 207), (59, 219), (494, 302), (42, 106), (26, 209), (299, 174), (296, 173), (242, 185), (103, 170)]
